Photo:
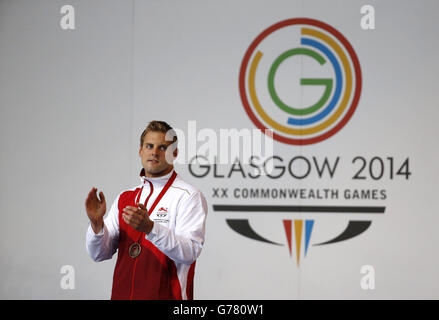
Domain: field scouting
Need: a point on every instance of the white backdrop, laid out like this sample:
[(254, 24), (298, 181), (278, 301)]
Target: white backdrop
[(74, 103)]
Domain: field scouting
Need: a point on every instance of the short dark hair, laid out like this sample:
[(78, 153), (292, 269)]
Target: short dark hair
[(158, 126)]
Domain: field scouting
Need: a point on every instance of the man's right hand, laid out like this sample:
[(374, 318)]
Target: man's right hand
[(96, 209)]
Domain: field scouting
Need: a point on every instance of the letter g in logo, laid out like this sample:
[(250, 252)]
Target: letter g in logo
[(341, 92)]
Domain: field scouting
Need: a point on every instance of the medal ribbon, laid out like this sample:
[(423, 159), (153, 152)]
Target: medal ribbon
[(159, 197)]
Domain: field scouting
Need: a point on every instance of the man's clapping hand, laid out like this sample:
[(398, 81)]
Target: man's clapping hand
[(96, 209), (138, 218)]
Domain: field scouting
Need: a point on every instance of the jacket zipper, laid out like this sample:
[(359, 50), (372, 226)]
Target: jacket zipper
[(135, 261)]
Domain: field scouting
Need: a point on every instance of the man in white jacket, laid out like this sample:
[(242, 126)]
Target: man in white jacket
[(157, 228)]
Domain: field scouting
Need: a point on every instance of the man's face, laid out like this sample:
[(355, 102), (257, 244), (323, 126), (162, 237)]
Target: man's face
[(153, 154)]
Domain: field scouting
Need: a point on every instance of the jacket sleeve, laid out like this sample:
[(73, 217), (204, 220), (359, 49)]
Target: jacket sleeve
[(183, 244), (103, 245)]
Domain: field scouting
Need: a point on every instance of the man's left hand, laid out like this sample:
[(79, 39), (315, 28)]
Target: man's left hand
[(138, 218)]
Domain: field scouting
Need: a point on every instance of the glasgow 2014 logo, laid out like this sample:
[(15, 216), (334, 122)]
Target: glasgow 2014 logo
[(300, 79), (333, 74)]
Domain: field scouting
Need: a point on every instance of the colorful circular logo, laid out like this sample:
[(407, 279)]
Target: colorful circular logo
[(300, 78)]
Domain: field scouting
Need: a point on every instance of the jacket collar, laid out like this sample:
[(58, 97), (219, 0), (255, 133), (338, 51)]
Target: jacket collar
[(157, 180)]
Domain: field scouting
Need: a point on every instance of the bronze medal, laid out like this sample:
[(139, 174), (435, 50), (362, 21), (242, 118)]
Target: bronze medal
[(134, 250)]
